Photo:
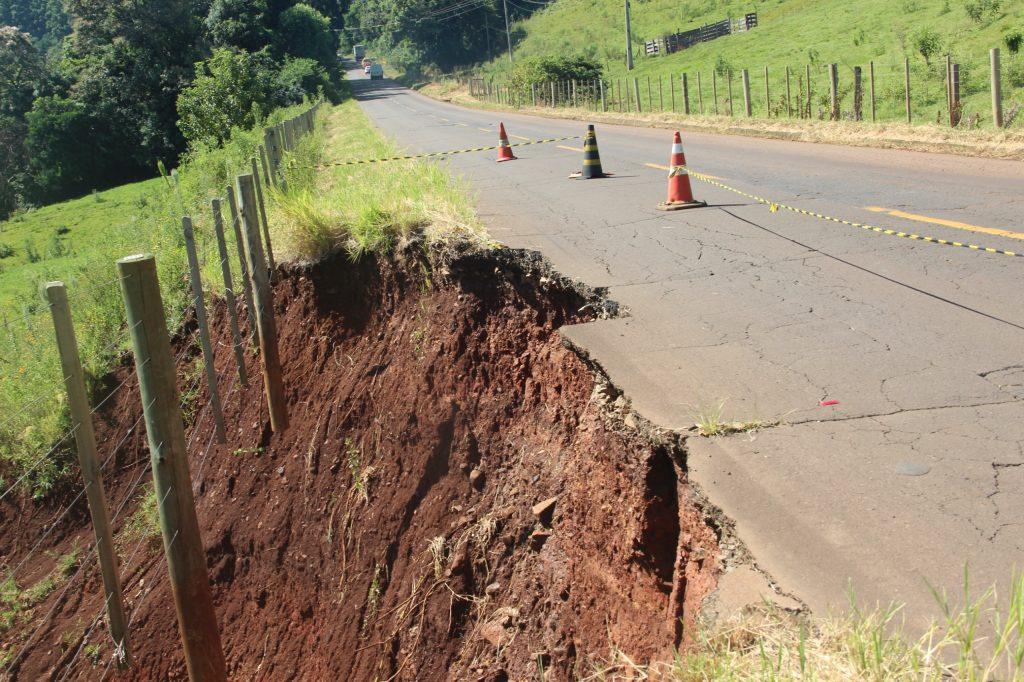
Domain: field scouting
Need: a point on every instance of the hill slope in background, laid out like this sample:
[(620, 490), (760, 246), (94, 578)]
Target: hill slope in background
[(795, 33)]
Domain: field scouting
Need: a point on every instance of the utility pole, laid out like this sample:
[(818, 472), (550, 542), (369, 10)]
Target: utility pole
[(508, 35), (629, 42)]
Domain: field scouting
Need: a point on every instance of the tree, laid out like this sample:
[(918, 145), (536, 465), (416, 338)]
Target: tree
[(231, 89), (238, 23), (300, 76), (304, 32), (21, 69), (928, 43)]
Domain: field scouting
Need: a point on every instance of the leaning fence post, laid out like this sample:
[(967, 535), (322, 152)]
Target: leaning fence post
[(183, 545), (767, 96), (685, 86), (209, 360), (700, 96), (85, 443), (747, 109), (636, 93), (264, 300), (714, 90), (997, 91), (604, 104), (240, 247), (229, 292), (263, 215)]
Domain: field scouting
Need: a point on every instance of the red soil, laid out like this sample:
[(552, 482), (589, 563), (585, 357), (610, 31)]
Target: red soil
[(454, 399)]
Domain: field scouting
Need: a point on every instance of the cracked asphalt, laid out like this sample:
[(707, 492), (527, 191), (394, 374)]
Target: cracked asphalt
[(774, 313)]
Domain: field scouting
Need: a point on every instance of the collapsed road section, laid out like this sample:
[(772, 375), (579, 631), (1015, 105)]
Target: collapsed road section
[(460, 495)]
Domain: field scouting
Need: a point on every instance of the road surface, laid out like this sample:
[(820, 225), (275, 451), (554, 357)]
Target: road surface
[(919, 466)]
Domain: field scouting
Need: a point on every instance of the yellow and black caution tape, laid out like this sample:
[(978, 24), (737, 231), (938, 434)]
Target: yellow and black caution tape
[(447, 153), (774, 206)]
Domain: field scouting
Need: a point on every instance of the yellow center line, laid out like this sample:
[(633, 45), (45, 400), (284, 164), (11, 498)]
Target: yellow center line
[(955, 224), (570, 149), (665, 168), (442, 118), (518, 137), (464, 125), (486, 130)]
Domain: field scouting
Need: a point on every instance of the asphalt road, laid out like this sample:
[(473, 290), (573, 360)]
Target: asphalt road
[(919, 467)]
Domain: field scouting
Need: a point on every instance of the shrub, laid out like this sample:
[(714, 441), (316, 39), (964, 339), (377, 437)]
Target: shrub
[(1013, 39), (6, 251), (980, 10), (542, 69), (231, 90), (301, 76)]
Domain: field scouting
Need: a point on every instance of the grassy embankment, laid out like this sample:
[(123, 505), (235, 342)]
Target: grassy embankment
[(359, 208), (794, 34)]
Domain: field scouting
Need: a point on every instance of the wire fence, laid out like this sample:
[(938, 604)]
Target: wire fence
[(180, 402), (872, 92)]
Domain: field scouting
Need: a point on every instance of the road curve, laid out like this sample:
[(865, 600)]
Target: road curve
[(918, 466)]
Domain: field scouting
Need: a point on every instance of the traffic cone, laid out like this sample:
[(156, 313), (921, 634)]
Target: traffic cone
[(504, 148), (679, 193), (591, 158)]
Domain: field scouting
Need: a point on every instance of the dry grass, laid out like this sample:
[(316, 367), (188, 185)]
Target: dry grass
[(710, 421), (998, 144)]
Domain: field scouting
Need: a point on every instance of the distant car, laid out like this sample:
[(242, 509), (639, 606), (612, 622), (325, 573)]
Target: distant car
[(376, 72), (359, 51)]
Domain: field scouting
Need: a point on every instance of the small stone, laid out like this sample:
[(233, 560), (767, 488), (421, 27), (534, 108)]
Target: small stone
[(492, 589), (545, 509), (476, 478), (536, 477), (538, 538), (280, 471), (630, 421)]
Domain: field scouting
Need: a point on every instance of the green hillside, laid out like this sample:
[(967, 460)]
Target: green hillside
[(797, 33)]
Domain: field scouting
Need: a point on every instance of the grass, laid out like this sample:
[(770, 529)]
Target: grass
[(795, 33), (16, 603), (710, 422), (768, 643), (78, 242), (368, 208)]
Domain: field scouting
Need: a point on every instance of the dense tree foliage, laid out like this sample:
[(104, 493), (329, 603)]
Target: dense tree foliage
[(135, 81)]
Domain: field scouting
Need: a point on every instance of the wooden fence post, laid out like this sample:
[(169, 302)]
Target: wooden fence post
[(672, 92), (636, 93), (809, 105), (871, 76), (789, 95), (728, 77), (533, 91), (949, 88), (229, 292), (714, 90), (92, 478), (858, 95), (700, 96), (906, 86), (767, 95), (604, 102), (833, 90), (262, 153), (240, 247), (661, 94), (686, 94), (552, 84), (264, 300), (273, 153), (263, 215), (618, 93), (183, 545), (209, 360), (650, 95), (997, 90), (745, 77), (956, 94)]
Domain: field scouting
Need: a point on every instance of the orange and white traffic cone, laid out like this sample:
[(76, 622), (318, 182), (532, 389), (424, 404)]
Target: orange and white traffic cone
[(504, 148), (680, 195)]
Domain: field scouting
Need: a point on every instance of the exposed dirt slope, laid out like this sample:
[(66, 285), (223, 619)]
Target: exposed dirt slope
[(395, 531)]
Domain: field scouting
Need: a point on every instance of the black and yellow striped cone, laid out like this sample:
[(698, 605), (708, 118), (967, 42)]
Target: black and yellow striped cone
[(591, 158)]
